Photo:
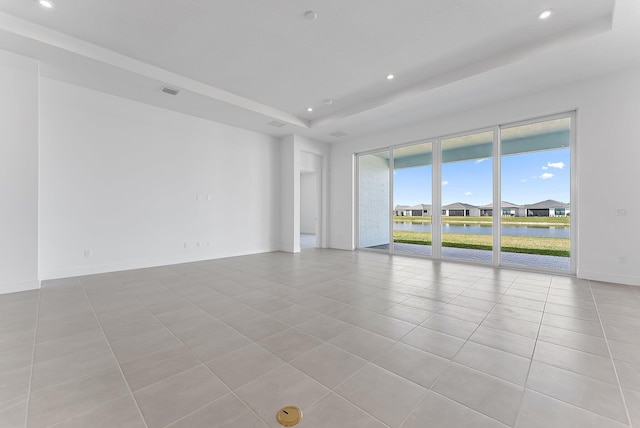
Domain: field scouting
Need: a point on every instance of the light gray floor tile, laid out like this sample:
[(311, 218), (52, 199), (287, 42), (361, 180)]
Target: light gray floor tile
[(486, 394), (462, 313), (434, 342), (155, 367), (143, 344), (438, 411), (14, 416), (217, 343), (512, 325), (324, 327), (579, 326), (571, 339), (83, 363), (504, 365), (541, 411), (629, 375), (226, 412), (329, 364), (335, 411), (243, 365), (121, 413), (624, 351), (261, 327), (505, 341), (576, 361), (72, 398), (386, 396), (282, 387), (451, 326), (413, 364), (408, 314), (290, 344), (171, 399), (362, 343), (585, 392), (633, 404)]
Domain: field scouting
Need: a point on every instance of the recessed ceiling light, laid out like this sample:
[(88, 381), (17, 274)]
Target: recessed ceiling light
[(328, 101), (310, 15), (46, 3), (390, 76), (546, 14), (309, 109)]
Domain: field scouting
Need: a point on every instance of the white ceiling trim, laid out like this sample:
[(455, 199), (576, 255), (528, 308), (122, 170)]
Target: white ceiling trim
[(62, 41)]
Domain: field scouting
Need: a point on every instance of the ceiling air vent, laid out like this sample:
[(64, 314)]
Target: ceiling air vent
[(276, 124), (338, 134), (170, 91)]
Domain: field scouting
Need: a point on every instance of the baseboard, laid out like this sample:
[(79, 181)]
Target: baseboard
[(138, 264), (15, 287), (607, 277)]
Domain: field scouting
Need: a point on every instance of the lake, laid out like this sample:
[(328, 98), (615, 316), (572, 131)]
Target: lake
[(477, 229)]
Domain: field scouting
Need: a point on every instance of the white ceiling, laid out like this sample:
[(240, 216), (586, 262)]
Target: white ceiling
[(248, 62)]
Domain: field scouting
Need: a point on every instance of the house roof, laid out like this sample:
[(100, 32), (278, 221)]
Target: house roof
[(504, 204), (421, 207), (549, 203), (401, 207), (459, 206)]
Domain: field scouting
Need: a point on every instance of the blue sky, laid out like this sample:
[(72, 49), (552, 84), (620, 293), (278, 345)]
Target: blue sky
[(526, 178)]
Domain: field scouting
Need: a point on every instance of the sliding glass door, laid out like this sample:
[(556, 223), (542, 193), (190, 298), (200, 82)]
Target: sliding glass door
[(467, 188), (536, 194), (500, 196), (412, 206)]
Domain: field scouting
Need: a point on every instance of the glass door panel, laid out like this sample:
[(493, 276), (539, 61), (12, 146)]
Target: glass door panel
[(536, 199), (373, 200), (467, 196), (412, 202)]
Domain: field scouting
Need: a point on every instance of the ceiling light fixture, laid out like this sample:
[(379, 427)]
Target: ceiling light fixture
[(328, 101), (546, 14), (46, 4), (390, 76), (309, 109), (310, 15)]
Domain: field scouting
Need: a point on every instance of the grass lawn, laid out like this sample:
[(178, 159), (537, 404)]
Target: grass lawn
[(510, 244)]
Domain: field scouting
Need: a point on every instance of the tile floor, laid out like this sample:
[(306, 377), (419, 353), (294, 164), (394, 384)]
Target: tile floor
[(356, 339)]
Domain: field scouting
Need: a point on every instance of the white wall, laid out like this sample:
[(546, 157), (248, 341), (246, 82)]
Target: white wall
[(309, 186), (608, 149), (18, 173), (373, 193), (131, 184)]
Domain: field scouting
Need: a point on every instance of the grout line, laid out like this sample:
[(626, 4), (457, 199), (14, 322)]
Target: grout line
[(113, 353), (533, 353), (615, 370), (33, 357)]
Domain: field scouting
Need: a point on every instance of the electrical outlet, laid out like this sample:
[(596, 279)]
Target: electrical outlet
[(621, 212), (185, 244), (622, 260)]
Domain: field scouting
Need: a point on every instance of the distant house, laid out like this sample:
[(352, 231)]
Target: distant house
[(402, 210), (507, 210), (548, 208), (421, 210), (458, 209)]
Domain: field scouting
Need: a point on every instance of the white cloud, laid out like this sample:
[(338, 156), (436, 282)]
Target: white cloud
[(559, 165), (545, 167), (444, 183), (546, 176), (524, 180), (467, 193), (481, 160)]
